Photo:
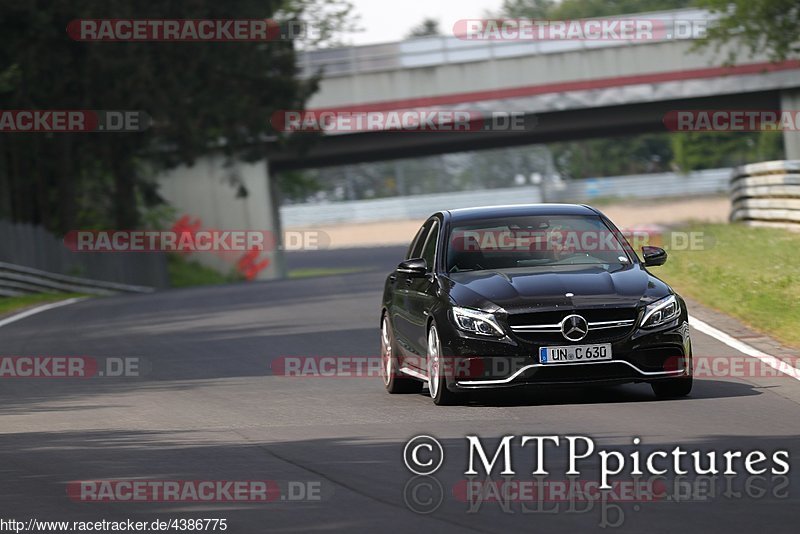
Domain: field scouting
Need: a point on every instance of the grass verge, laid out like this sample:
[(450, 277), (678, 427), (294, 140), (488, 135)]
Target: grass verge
[(752, 274), (12, 304), (312, 273), (186, 273)]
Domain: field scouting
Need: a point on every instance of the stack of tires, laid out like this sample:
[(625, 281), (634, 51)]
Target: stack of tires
[(767, 194)]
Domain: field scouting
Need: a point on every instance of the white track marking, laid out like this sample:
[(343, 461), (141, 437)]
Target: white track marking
[(744, 348), (39, 309)]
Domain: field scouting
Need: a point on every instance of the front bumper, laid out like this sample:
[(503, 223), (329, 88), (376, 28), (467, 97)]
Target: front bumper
[(637, 356)]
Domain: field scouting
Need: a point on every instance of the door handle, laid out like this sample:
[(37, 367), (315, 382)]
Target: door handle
[(393, 277)]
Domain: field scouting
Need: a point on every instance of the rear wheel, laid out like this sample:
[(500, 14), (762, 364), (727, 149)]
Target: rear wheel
[(391, 379), (437, 381), (672, 388)]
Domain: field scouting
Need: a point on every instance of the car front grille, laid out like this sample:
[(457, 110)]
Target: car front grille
[(605, 325)]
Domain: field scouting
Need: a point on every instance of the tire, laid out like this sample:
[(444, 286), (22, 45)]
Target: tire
[(437, 384), (391, 380), (672, 388)]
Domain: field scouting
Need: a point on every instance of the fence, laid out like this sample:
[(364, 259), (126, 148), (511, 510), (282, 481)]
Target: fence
[(767, 194), (707, 182), (34, 254)]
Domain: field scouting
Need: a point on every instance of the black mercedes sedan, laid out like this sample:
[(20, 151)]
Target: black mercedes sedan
[(542, 294)]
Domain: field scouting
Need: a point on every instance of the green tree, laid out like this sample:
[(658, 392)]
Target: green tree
[(426, 28), (201, 97), (615, 156), (535, 9), (707, 150), (763, 26)]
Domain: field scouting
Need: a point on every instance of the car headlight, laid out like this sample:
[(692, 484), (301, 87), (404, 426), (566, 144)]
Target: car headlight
[(661, 312), (476, 322)]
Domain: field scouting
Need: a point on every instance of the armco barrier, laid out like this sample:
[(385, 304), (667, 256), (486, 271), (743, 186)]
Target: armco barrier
[(658, 185), (30, 246), (767, 194), (18, 280)]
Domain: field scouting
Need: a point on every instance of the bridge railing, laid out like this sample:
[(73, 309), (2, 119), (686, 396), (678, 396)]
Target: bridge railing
[(445, 49), (767, 194)]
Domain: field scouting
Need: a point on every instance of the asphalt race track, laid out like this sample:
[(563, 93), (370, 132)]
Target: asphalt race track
[(207, 408)]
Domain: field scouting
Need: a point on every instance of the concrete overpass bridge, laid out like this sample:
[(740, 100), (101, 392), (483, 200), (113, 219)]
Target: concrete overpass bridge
[(574, 89), (571, 90)]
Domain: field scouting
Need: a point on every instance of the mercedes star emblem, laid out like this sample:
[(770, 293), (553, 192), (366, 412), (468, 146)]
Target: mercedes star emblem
[(574, 327)]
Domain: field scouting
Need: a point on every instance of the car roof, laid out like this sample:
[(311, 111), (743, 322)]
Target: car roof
[(492, 212)]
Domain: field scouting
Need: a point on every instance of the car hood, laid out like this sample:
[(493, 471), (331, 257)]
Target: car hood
[(540, 289)]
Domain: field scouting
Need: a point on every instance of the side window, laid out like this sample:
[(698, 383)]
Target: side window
[(429, 252), (415, 250)]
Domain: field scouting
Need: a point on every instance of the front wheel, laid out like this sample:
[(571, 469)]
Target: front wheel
[(437, 381)]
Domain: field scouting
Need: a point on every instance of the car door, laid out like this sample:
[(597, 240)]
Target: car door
[(422, 294), (404, 330)]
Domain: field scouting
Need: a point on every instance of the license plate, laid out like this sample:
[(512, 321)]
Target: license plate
[(575, 353)]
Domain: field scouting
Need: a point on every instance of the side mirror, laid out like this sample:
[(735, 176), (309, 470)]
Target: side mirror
[(654, 256), (415, 268)]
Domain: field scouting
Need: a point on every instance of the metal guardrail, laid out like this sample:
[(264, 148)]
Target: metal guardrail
[(767, 194), (655, 185), (33, 247), (659, 185), (17, 280), (401, 208)]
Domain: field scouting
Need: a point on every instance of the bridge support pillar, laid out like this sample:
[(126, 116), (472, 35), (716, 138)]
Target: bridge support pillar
[(215, 195), (790, 101)]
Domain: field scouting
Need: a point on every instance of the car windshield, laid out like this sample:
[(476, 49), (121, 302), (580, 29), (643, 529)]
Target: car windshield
[(534, 241)]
